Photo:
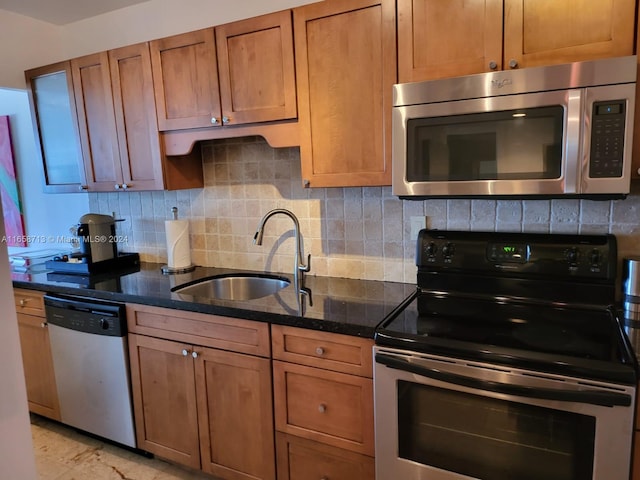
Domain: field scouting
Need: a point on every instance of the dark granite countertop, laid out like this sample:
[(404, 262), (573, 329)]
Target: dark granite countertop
[(339, 305)]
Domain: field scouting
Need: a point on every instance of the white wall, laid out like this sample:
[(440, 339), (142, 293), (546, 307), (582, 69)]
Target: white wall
[(32, 43), (160, 18), (45, 214), (16, 447), (26, 43)]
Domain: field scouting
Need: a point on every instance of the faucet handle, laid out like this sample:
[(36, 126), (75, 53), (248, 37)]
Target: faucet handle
[(307, 267)]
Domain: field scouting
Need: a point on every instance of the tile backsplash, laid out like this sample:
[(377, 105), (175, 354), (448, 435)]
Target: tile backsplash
[(359, 233)]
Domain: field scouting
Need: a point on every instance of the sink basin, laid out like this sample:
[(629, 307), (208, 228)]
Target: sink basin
[(234, 286)]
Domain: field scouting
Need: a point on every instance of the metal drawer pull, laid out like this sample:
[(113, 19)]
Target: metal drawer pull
[(322, 408), (194, 354), (185, 352), (320, 351), (44, 324), (23, 302)]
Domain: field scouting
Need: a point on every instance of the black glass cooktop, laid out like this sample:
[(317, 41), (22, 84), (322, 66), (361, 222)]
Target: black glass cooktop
[(585, 341), (537, 301)]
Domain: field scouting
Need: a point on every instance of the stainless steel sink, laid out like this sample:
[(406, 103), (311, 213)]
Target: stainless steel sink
[(234, 286)]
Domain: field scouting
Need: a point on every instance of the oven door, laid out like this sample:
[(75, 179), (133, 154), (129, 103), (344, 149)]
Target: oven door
[(442, 419)]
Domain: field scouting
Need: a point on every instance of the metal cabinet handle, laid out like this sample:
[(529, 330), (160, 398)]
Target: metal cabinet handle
[(185, 352), (125, 186), (493, 65), (44, 324), (194, 354), (513, 63), (320, 351), (83, 187), (214, 121), (225, 120), (23, 302), (322, 408), (117, 186)]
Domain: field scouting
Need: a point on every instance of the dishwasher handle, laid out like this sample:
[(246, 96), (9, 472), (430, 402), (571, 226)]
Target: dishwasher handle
[(593, 397)]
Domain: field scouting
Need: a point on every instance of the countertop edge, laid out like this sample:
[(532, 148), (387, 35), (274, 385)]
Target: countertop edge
[(240, 313)]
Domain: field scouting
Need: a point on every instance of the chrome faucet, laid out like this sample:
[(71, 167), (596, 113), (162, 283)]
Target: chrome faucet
[(299, 266)]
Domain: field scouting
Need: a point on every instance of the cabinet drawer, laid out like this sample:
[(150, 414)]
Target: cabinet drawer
[(328, 407), (333, 351), (300, 459), (29, 302), (238, 335)]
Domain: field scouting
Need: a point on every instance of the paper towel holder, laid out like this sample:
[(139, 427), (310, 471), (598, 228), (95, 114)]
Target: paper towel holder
[(166, 269)]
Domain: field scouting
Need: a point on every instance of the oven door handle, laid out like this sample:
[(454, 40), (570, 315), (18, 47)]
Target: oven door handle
[(593, 397)]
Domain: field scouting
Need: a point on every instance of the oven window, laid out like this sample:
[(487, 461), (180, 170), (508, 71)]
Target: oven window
[(492, 439), (509, 145)]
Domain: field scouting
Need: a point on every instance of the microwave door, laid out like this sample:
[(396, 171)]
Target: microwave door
[(605, 166), (511, 145)]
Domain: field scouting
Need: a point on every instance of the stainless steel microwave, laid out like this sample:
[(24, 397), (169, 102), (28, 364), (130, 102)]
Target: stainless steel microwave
[(562, 130)]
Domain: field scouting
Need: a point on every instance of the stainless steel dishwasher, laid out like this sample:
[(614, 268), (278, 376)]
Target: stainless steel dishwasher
[(91, 365)]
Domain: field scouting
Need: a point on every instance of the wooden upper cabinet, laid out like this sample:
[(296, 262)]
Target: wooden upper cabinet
[(345, 66), (96, 118), (53, 110), (543, 32), (439, 39), (121, 144), (186, 80), (135, 114), (256, 68), (461, 37), (254, 61)]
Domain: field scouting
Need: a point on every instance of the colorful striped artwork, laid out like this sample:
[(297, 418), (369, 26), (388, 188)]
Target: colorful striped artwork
[(13, 221)]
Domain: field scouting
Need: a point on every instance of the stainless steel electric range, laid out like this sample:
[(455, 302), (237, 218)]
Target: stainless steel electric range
[(507, 362)]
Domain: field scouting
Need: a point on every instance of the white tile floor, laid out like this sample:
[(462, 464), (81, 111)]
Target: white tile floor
[(63, 453)]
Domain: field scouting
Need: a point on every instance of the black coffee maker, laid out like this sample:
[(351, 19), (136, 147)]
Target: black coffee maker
[(97, 238)]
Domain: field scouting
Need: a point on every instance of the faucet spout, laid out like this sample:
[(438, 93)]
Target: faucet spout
[(299, 266)]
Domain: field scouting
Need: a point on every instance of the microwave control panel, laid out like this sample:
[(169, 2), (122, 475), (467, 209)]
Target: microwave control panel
[(607, 139)]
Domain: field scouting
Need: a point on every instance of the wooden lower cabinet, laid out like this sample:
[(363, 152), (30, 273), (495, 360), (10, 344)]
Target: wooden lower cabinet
[(323, 398), (300, 459), (203, 407), (36, 354)]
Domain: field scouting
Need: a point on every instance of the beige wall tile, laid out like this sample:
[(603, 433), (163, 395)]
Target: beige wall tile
[(351, 232)]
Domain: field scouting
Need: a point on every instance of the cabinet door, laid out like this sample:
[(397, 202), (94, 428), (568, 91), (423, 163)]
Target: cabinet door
[(96, 121), (543, 32), (53, 109), (346, 67), (135, 114), (186, 81), (446, 39), (300, 459), (164, 399), (235, 414), (328, 407), (38, 366), (257, 77)]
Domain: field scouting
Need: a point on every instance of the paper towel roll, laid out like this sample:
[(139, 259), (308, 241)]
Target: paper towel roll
[(178, 247)]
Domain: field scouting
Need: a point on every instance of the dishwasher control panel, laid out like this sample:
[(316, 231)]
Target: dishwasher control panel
[(86, 315)]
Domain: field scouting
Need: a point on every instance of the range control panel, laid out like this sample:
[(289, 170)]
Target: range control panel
[(555, 255)]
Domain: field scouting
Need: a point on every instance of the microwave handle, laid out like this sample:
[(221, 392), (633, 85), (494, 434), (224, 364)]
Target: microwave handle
[(594, 397)]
